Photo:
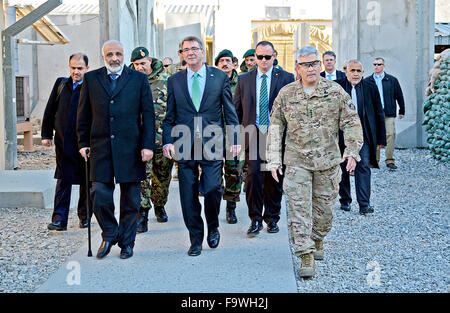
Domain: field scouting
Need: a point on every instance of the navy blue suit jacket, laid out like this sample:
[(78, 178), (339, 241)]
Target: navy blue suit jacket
[(245, 94), (216, 106), (339, 75)]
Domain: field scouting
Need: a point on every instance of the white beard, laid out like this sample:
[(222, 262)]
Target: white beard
[(113, 69)]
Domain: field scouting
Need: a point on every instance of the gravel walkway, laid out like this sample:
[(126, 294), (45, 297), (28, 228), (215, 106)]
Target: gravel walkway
[(402, 247)]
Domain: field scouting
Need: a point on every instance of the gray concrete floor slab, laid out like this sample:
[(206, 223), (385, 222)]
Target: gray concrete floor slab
[(161, 264)]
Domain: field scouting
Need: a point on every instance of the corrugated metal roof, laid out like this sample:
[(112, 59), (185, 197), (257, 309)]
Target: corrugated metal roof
[(206, 10), (67, 7), (442, 34)]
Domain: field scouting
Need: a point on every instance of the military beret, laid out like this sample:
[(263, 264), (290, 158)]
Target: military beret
[(249, 52), (139, 53), (222, 54)]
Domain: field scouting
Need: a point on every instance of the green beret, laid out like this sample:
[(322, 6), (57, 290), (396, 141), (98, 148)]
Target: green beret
[(249, 53), (139, 53), (222, 54)]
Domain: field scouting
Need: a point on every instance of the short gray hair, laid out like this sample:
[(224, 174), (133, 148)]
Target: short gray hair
[(110, 42), (307, 51), (354, 61)]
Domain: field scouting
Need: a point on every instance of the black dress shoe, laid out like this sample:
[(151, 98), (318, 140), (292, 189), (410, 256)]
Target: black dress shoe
[(57, 226), (104, 249), (84, 223), (365, 210), (345, 207), (231, 215), (213, 238), (254, 229), (195, 250), (126, 252), (272, 228), (161, 215)]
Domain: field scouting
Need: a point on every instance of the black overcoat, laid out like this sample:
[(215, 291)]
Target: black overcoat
[(116, 125), (372, 120), (60, 115)]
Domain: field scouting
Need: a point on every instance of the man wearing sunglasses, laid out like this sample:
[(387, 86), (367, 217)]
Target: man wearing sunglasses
[(390, 93), (311, 111), (368, 105), (166, 63), (254, 96)]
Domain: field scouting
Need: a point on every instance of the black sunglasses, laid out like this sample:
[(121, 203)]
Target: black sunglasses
[(378, 64), (267, 57), (166, 65)]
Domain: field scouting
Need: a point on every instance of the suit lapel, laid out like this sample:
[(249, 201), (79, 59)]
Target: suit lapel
[(209, 77), (252, 108), (122, 81), (273, 86), (185, 88), (104, 81)]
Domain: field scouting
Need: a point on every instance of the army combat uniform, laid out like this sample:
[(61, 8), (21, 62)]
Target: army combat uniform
[(155, 188), (233, 168), (312, 155)]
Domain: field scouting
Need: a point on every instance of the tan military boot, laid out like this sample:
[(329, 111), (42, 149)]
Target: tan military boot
[(318, 254), (308, 266)]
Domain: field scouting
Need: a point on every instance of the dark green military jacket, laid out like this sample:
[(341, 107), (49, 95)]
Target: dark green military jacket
[(158, 85)]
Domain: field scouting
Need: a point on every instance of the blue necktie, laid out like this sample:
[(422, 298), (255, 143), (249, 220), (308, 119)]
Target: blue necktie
[(330, 76), (113, 80), (263, 106)]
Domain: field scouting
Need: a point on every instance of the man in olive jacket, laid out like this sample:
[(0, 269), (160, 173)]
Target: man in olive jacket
[(116, 121)]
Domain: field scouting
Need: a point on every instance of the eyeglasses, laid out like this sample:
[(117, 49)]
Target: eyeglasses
[(267, 57), (307, 65), (167, 65), (193, 49), (378, 64)]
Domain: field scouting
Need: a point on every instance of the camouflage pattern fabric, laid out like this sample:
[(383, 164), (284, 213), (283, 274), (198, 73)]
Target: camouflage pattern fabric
[(173, 68), (233, 169), (158, 85), (309, 223), (312, 155), (155, 189), (312, 124)]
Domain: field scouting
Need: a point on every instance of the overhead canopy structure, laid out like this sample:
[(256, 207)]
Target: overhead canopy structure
[(44, 27)]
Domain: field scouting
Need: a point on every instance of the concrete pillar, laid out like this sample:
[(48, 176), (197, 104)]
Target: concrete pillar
[(127, 21), (400, 31), (2, 105)]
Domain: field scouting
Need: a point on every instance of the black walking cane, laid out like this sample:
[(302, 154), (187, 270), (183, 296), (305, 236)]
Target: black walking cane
[(88, 202)]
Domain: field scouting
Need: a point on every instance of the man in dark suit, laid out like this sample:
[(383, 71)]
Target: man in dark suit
[(198, 100), (329, 62), (391, 94), (368, 104), (253, 98), (61, 115), (116, 121)]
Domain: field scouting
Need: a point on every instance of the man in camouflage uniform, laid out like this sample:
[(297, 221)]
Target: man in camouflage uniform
[(173, 68), (249, 62), (312, 110), (233, 168), (155, 188)]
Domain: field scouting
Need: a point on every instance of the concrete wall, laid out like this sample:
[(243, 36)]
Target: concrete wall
[(53, 61), (400, 31), (2, 107)]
